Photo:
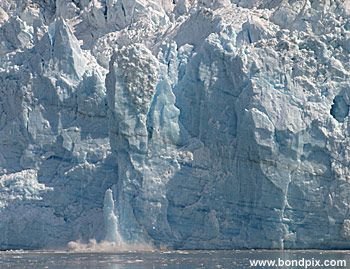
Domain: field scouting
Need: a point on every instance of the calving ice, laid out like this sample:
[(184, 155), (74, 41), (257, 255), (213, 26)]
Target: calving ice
[(217, 124)]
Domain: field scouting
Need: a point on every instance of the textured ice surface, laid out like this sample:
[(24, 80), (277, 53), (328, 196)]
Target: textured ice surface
[(216, 124)]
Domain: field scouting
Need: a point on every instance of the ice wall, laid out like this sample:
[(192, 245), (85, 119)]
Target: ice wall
[(216, 124)]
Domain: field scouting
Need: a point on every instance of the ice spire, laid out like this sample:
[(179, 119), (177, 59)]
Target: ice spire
[(110, 219)]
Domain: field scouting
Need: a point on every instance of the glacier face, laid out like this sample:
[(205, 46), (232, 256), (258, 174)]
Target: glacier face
[(217, 124)]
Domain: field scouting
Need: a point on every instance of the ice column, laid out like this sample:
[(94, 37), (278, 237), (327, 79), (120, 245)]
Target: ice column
[(110, 219)]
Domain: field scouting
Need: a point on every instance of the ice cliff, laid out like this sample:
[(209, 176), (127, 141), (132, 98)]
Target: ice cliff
[(216, 124)]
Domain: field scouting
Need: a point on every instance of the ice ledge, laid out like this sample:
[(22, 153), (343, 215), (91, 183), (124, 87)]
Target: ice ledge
[(22, 185)]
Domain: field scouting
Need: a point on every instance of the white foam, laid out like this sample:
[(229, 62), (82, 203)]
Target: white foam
[(105, 246)]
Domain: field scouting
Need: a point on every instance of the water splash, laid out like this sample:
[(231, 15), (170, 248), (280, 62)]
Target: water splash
[(111, 220), (113, 240), (107, 247)]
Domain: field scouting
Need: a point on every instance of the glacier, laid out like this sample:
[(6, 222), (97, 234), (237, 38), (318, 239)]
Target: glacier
[(206, 124)]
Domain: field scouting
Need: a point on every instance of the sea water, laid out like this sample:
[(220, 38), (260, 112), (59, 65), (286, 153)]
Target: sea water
[(171, 259)]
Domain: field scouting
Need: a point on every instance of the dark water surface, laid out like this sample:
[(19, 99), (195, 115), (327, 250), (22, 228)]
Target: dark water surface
[(168, 259)]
